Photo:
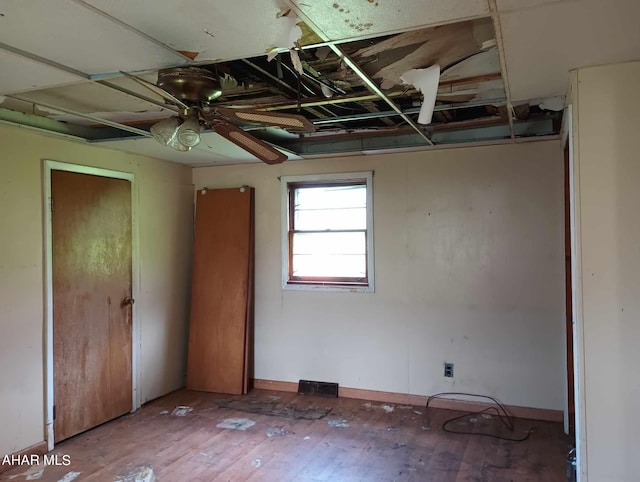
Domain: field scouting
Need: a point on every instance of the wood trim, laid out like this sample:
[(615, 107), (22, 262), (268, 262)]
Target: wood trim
[(420, 400), (37, 449), (275, 385)]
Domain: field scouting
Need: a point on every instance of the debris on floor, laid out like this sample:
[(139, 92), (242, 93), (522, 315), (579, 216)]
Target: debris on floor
[(385, 407), (137, 473), (277, 431), (236, 423), (69, 476), (181, 411), (276, 409), (32, 473), (256, 463), (337, 422)]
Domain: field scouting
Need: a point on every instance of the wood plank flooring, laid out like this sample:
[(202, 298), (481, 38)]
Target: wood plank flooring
[(356, 441)]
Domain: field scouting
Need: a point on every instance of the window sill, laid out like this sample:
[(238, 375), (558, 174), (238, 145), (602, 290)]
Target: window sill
[(331, 287)]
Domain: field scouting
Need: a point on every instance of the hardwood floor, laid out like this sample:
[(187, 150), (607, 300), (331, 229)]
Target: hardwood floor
[(356, 441)]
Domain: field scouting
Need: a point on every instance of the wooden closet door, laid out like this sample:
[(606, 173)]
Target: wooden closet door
[(222, 292), (91, 260)]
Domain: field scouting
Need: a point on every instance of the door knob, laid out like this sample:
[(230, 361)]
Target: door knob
[(128, 301)]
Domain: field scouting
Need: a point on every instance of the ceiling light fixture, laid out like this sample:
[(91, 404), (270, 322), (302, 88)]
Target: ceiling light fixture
[(177, 145), (165, 130), (189, 132), (179, 134)]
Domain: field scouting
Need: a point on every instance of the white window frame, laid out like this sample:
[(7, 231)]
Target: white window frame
[(285, 181)]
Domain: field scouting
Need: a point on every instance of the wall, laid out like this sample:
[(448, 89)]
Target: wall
[(469, 269), (606, 105), (165, 200)]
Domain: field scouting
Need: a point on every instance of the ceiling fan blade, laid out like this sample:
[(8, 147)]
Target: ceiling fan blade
[(292, 121), (255, 146), (157, 90)]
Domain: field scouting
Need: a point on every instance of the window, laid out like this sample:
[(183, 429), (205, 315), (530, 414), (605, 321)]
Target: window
[(327, 235)]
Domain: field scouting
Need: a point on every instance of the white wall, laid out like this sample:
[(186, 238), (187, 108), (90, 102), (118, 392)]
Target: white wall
[(606, 106), (469, 269), (165, 229)]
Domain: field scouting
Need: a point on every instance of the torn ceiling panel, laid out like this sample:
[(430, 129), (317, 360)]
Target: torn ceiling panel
[(482, 64), (345, 101), (447, 45)]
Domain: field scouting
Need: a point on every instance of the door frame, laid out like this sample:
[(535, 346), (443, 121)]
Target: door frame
[(569, 138), (48, 166)]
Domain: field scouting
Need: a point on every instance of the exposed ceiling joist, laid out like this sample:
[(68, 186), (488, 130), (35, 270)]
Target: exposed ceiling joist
[(503, 66), (353, 55), (358, 71)]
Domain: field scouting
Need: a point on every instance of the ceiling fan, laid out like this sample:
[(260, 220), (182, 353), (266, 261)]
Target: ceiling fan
[(191, 90)]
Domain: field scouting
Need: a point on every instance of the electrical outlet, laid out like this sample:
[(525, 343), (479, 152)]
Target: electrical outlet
[(448, 370)]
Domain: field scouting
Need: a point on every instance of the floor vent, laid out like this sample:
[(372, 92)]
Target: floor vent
[(322, 389)]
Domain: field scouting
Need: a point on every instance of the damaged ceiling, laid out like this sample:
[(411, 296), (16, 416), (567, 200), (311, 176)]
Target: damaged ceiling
[(344, 65)]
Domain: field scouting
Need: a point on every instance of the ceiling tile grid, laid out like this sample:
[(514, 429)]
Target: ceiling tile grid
[(67, 33), (214, 30), (541, 41), (20, 74)]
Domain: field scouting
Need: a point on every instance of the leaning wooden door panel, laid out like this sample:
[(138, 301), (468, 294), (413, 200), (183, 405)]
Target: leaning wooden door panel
[(91, 234), (222, 284)]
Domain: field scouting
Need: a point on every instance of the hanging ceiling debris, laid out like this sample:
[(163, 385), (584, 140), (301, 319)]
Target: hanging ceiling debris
[(356, 94)]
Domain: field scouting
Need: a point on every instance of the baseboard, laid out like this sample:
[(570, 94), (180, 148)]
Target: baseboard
[(38, 449), (419, 400)]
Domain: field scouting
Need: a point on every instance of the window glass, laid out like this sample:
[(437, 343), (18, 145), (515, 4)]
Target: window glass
[(327, 231)]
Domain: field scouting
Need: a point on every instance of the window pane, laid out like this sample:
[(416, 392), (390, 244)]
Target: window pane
[(330, 266), (330, 207), (329, 243), (329, 254)]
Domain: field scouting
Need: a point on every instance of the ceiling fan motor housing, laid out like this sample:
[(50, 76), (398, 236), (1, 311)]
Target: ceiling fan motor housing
[(190, 84)]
